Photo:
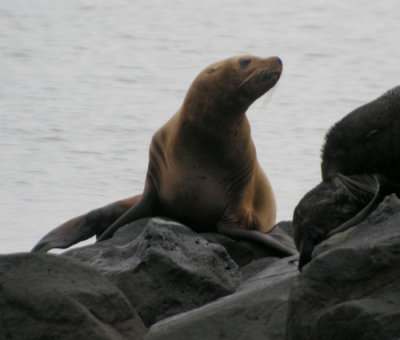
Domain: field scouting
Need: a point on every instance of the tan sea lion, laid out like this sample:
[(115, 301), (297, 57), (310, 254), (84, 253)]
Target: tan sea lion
[(360, 166), (203, 170)]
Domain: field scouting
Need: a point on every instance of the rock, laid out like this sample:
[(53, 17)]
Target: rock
[(256, 311), (256, 266), (167, 269), (351, 288), (52, 297)]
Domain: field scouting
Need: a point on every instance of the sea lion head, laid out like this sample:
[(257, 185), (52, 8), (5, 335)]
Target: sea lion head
[(365, 141), (233, 83)]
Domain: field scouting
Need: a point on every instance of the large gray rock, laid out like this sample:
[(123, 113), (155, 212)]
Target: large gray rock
[(52, 297), (351, 288), (257, 311), (167, 269)]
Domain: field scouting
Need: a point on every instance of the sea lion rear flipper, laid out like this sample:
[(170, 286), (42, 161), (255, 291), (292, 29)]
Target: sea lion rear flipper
[(284, 246), (85, 226)]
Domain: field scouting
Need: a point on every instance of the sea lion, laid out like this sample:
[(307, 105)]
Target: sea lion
[(203, 170), (360, 166)]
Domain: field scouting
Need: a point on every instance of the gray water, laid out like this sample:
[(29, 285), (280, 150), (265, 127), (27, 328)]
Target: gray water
[(84, 85)]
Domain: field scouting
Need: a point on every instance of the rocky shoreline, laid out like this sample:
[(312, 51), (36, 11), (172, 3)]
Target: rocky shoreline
[(157, 279)]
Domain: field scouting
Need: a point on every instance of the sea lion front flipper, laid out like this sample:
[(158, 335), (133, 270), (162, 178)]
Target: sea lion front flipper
[(73, 231), (147, 206), (366, 211), (266, 239), (85, 226)]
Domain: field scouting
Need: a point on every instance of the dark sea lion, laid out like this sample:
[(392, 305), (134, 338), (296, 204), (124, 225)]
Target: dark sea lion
[(203, 170), (360, 166)]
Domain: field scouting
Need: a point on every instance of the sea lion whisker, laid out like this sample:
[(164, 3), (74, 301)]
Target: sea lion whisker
[(259, 75)]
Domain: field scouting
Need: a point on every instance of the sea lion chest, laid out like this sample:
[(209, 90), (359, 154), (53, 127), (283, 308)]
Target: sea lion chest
[(196, 176), (192, 195)]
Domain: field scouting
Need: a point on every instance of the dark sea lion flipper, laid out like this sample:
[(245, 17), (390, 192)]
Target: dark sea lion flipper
[(85, 226), (147, 206), (364, 213), (283, 246), (332, 207)]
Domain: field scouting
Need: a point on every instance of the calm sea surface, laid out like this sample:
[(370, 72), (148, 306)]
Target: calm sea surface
[(84, 85)]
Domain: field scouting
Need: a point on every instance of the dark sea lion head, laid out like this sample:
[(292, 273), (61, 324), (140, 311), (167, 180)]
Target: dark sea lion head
[(327, 207), (233, 84), (365, 141)]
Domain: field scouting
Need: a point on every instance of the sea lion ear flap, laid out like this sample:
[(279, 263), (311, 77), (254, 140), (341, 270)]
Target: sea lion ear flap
[(362, 186)]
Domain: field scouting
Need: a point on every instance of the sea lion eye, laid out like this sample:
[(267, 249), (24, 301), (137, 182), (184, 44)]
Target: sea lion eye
[(244, 62)]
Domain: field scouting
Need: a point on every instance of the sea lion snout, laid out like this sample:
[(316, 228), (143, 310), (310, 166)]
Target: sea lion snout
[(262, 75), (276, 62), (273, 65), (279, 60)]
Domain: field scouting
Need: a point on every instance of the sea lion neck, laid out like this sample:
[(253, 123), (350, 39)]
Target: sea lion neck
[(214, 102), (213, 126), (210, 112)]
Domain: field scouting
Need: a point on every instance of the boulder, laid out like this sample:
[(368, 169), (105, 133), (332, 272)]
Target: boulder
[(257, 311), (167, 269), (45, 296), (351, 288)]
